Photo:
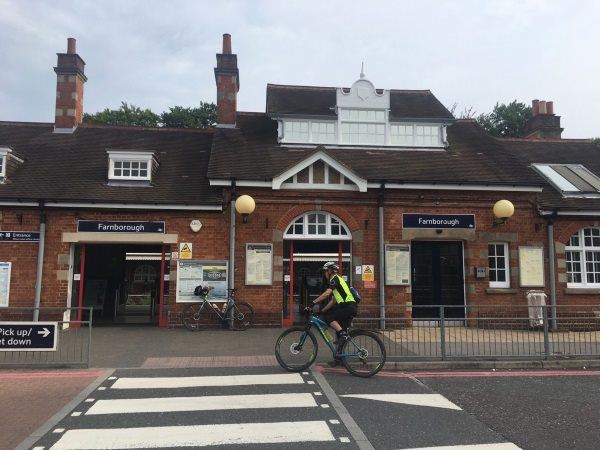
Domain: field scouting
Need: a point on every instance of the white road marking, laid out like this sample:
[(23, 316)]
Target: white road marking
[(207, 403), (112, 378), (431, 400), (344, 439), (310, 382), (334, 421), (89, 400), (226, 380), (37, 448), (318, 393), (499, 446), (102, 388), (76, 413), (324, 405), (304, 373), (196, 436), (59, 430)]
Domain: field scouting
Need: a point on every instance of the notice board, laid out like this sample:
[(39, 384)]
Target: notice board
[(397, 265), (4, 283), (259, 264), (531, 266), (192, 273)]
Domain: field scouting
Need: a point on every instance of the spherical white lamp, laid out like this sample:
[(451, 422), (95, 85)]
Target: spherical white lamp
[(503, 210), (245, 205)]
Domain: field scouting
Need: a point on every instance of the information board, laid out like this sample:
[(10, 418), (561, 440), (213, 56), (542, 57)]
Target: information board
[(192, 273), (259, 264), (531, 266), (19, 236), (4, 283), (397, 265), (19, 336)]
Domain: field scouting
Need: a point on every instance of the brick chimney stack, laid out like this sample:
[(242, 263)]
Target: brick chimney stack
[(70, 78), (544, 124), (228, 84)]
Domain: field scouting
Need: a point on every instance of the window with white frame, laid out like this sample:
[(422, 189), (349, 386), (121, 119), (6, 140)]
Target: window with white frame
[(130, 165), (427, 135), (296, 130), (2, 166), (402, 134), (498, 257), (363, 126), (317, 225), (583, 258), (323, 132), (319, 175)]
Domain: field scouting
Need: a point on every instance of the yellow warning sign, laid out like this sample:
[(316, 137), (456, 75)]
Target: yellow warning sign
[(185, 250), (368, 273)]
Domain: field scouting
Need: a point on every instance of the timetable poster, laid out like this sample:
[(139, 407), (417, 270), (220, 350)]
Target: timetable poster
[(259, 264), (531, 266), (397, 265)]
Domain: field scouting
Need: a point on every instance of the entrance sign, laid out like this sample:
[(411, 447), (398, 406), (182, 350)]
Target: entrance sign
[(185, 250), (20, 336), (259, 264), (4, 283), (19, 236), (192, 273), (437, 221), (397, 265), (368, 272), (109, 226), (531, 266)]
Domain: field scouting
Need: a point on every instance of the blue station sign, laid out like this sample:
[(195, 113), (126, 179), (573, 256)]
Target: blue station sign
[(19, 236), (20, 336), (438, 221), (105, 226)]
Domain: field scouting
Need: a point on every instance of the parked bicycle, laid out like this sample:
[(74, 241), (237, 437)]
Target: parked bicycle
[(238, 315), (362, 354)]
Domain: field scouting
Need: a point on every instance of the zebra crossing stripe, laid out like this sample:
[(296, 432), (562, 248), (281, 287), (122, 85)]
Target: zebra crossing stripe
[(431, 400), (498, 446), (207, 381), (196, 435), (208, 403)]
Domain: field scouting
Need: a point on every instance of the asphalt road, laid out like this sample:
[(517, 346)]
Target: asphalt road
[(267, 408)]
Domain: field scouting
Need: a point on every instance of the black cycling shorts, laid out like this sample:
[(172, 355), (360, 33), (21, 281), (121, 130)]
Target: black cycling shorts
[(342, 314)]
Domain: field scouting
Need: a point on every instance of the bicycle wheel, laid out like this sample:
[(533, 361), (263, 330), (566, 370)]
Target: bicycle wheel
[(242, 314), (296, 349), (365, 353), (195, 315)]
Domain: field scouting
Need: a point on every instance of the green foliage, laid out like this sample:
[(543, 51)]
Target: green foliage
[(177, 117), (506, 120), (126, 115), (596, 142), (180, 117)]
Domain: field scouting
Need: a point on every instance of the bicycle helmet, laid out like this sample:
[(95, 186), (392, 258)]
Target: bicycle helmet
[(331, 266)]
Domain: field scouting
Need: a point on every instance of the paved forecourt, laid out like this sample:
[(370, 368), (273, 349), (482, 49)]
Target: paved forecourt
[(255, 407)]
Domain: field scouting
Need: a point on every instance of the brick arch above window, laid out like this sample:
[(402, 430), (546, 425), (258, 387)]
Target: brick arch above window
[(342, 213)]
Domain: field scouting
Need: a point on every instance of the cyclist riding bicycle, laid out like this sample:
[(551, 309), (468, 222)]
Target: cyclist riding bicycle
[(341, 309)]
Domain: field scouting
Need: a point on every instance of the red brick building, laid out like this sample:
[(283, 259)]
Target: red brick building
[(387, 182)]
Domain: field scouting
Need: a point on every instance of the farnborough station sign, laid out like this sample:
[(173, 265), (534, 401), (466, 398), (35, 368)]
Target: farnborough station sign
[(120, 227), (438, 221)]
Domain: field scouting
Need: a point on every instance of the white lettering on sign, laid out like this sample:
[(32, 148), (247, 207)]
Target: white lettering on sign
[(121, 227), (451, 222)]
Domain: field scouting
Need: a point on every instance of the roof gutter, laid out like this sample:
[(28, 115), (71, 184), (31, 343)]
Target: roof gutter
[(546, 212)]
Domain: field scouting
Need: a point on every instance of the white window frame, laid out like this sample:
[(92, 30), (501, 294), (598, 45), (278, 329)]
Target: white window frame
[(323, 236), (131, 157), (500, 284), (582, 249)]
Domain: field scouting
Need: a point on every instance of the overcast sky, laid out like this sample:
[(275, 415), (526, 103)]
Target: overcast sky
[(157, 54)]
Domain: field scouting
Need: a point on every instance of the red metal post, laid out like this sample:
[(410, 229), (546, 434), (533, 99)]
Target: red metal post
[(162, 321), (81, 287)]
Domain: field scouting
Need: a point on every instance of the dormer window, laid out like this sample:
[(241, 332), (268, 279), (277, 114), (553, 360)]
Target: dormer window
[(130, 165), (8, 160)]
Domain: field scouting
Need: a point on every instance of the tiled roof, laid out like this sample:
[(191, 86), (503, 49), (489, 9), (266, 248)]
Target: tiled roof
[(321, 101), (559, 151), (251, 152), (74, 167)]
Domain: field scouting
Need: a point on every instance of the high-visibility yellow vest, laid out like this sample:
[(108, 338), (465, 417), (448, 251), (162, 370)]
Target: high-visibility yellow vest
[(348, 298)]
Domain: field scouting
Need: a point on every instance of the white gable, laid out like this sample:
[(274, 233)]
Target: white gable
[(362, 94)]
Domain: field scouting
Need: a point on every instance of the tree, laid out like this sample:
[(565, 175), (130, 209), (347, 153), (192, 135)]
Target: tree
[(180, 117), (596, 142), (506, 120), (468, 112), (126, 115)]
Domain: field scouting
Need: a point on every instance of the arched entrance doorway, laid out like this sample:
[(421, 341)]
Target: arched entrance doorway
[(310, 240)]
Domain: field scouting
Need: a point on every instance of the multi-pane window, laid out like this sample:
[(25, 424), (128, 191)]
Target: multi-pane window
[(570, 179), (402, 134), (317, 225), (296, 130), (323, 132), (498, 265), (363, 126), (427, 136), (2, 166), (130, 169), (583, 258)]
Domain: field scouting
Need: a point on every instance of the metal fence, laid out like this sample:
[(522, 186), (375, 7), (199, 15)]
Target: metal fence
[(489, 332), (73, 341)]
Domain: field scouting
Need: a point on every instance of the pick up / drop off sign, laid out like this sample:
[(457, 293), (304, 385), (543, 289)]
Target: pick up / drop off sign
[(28, 336)]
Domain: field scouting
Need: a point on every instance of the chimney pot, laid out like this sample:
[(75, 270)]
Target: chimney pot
[(542, 107), (549, 107), (535, 107), (227, 44), (71, 46)]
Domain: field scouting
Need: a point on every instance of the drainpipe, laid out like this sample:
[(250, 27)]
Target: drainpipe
[(381, 259), (552, 271), (232, 238), (40, 264)]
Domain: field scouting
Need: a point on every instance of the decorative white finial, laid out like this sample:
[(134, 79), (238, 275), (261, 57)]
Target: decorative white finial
[(362, 70)]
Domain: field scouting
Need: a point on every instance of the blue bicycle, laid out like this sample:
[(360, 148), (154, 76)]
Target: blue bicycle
[(362, 353)]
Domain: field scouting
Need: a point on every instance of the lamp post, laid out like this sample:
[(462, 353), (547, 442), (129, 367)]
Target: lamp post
[(503, 210), (245, 205)]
